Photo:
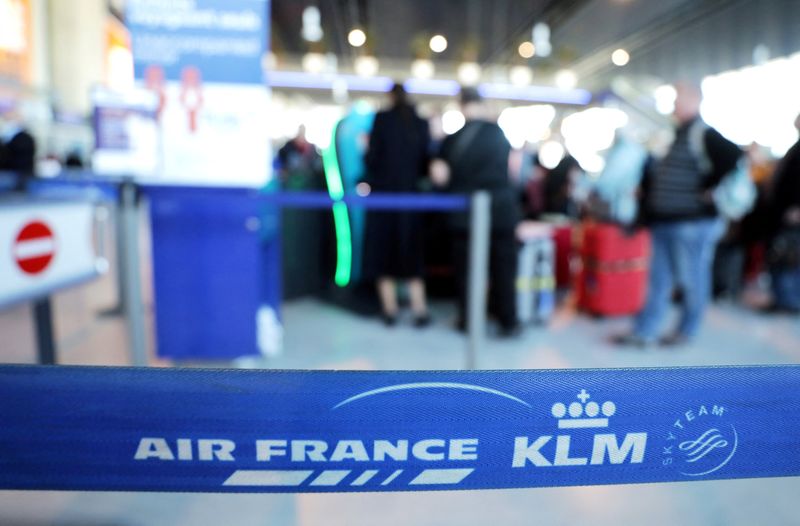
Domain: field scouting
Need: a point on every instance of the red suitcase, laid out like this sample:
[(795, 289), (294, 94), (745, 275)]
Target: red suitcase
[(613, 277), (562, 237)]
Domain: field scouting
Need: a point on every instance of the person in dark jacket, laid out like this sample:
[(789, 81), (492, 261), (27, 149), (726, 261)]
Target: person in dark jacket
[(784, 226), (685, 226), (396, 160), (17, 152), (477, 158)]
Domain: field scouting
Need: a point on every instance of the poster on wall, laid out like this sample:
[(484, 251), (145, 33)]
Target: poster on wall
[(202, 60), (126, 133)]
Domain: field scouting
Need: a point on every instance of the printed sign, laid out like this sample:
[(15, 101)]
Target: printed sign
[(126, 133), (45, 246), (34, 247), (279, 431), (225, 38), (202, 61)]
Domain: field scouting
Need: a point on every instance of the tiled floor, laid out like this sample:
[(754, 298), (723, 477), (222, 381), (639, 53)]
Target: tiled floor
[(322, 336)]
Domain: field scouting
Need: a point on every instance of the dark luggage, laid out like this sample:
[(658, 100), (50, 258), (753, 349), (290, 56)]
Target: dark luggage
[(535, 274)]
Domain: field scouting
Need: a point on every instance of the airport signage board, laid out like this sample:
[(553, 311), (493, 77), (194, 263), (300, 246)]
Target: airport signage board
[(202, 60), (45, 246), (225, 39)]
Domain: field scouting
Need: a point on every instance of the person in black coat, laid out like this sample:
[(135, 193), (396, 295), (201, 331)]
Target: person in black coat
[(18, 154), (396, 160), (784, 232), (477, 158)]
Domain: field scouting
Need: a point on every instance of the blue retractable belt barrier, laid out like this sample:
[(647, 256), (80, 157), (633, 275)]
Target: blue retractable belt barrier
[(377, 201), (322, 200), (82, 428)]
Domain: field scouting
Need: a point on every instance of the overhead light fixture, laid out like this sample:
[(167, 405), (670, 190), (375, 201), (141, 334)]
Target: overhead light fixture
[(550, 154), (422, 69), (314, 62), (566, 79), (469, 73), (357, 38), (527, 50), (312, 30), (665, 97), (367, 66), (620, 57), (520, 75), (452, 121), (438, 43), (541, 39)]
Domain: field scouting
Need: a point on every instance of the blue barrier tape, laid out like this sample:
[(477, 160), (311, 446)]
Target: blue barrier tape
[(81, 428), (377, 201), (321, 200)]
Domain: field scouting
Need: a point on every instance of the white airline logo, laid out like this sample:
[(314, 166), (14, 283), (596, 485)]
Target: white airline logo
[(583, 414)]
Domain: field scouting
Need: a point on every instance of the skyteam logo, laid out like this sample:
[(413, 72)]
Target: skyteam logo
[(701, 441)]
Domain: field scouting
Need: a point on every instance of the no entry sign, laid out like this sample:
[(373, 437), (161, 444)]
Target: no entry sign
[(34, 247), (45, 246)]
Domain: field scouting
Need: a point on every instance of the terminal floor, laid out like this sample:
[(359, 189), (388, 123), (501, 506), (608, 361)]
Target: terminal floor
[(322, 336)]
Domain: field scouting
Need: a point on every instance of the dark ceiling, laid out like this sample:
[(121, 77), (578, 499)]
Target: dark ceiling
[(690, 38), (476, 29)]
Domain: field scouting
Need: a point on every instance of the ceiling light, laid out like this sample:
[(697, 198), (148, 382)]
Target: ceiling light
[(312, 30), (367, 66), (527, 50), (314, 62), (469, 73), (566, 79), (438, 43), (452, 121), (422, 69), (356, 38), (520, 75), (620, 57), (541, 39), (550, 154), (665, 97)]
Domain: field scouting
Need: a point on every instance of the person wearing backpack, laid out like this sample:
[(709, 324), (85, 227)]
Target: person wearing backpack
[(477, 158), (681, 207)]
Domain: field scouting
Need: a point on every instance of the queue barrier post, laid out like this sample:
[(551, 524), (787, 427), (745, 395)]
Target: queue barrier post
[(133, 305), (480, 227)]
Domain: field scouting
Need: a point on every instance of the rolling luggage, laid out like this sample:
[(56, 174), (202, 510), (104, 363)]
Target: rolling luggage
[(613, 277), (562, 236), (535, 274)]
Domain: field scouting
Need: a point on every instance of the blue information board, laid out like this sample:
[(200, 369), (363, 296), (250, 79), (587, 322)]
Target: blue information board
[(226, 39)]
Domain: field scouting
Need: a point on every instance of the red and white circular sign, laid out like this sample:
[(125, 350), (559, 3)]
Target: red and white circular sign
[(34, 248)]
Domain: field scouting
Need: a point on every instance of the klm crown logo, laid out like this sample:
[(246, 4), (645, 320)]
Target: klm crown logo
[(599, 449), (583, 414)]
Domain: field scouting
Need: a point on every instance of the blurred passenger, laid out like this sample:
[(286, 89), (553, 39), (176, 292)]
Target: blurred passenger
[(614, 193), (397, 159), (755, 227), (477, 158), (784, 245), (685, 225), (17, 150), (558, 186), (74, 160), (299, 162)]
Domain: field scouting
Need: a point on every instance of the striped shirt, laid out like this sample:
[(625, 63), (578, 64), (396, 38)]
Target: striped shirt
[(677, 186)]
